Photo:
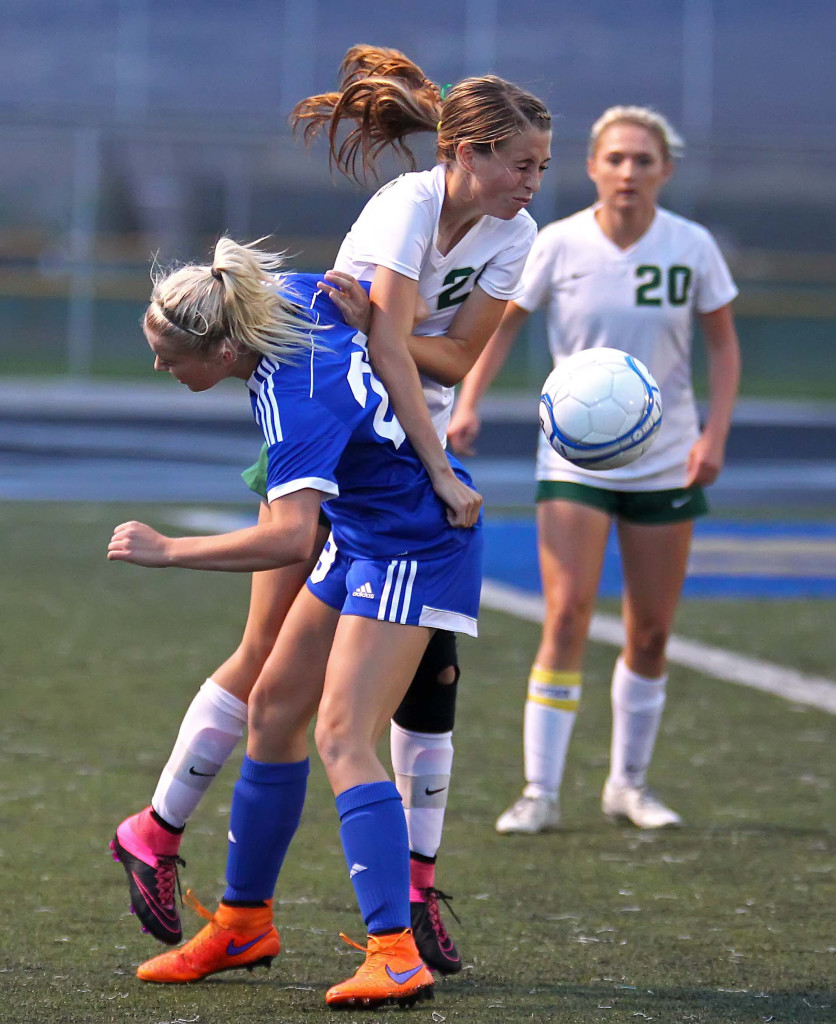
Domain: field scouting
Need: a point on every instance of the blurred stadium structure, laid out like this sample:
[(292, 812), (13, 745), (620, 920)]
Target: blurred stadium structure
[(135, 127)]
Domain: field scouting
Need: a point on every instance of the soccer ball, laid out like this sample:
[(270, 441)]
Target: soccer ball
[(600, 408)]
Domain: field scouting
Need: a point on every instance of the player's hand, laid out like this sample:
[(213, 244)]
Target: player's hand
[(463, 429), (138, 543), (463, 503), (354, 303), (705, 460), (351, 298)]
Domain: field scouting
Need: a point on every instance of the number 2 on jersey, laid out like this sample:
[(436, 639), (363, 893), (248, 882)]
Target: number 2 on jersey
[(359, 369), (453, 284)]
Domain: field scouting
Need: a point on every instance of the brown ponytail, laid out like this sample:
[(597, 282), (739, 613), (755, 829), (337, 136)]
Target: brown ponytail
[(385, 95), (388, 98)]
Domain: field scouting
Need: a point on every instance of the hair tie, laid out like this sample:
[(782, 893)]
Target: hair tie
[(216, 274), (438, 128), (445, 89), (167, 315)]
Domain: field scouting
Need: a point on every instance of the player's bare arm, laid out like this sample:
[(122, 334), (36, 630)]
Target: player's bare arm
[(394, 299), (465, 423), (289, 536), (707, 455), (447, 358)]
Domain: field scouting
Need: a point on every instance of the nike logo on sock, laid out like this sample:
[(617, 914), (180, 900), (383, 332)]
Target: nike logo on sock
[(204, 775), (402, 977), (432, 792), (233, 949)]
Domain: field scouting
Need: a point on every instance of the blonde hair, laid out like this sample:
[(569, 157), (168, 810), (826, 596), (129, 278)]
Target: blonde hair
[(234, 301), (388, 97), (669, 139)]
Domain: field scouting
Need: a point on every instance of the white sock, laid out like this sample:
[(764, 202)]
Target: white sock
[(637, 705), (422, 762), (211, 728), (551, 707)]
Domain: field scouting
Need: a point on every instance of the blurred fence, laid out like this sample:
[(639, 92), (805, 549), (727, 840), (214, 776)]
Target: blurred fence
[(109, 199)]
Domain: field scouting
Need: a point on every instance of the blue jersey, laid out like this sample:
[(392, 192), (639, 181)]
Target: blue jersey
[(328, 426)]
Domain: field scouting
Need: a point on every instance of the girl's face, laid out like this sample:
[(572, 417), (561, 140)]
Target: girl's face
[(503, 182), (628, 167), (197, 372)]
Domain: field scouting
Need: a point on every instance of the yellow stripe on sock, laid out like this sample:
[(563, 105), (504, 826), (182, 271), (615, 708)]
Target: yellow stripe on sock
[(549, 702), (554, 689)]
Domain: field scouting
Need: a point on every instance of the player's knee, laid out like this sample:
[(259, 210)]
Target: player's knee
[(567, 624), (448, 676), (275, 715), (648, 643), (332, 743), (255, 648), (429, 705)]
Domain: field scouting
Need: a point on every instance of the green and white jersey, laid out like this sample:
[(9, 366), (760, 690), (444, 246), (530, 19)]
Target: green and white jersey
[(398, 229), (641, 300)]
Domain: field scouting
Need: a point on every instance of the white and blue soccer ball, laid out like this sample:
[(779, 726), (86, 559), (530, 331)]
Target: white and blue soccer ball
[(600, 408)]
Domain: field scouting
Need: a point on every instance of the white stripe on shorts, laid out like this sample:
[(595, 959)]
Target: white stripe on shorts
[(393, 588)]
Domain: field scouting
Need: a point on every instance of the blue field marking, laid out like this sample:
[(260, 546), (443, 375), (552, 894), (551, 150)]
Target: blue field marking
[(728, 559)]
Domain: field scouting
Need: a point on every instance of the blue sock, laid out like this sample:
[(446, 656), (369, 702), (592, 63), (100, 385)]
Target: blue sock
[(266, 808), (373, 834)]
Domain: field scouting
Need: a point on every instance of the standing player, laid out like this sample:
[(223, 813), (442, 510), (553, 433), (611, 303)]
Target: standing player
[(439, 230), (396, 570), (627, 274)]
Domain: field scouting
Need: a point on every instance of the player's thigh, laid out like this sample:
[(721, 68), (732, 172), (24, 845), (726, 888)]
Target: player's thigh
[(273, 591), (654, 560), (371, 665), (289, 687), (571, 541)]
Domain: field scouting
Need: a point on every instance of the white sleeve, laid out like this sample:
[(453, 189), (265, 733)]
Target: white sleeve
[(539, 268), (394, 230), (501, 278), (715, 287)]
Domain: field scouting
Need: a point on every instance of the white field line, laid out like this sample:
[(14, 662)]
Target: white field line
[(756, 673)]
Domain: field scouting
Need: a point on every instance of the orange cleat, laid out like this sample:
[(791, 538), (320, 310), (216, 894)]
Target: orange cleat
[(393, 972), (236, 937)]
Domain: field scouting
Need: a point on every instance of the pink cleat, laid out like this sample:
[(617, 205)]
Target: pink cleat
[(148, 853)]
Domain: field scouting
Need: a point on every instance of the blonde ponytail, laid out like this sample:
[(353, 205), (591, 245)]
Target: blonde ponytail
[(234, 301)]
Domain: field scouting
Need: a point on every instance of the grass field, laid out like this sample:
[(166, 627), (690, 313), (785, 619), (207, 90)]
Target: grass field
[(729, 919)]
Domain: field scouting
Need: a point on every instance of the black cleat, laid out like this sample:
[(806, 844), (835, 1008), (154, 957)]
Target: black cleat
[(437, 949)]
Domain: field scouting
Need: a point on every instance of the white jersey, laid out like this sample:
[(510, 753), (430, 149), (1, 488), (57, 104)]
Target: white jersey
[(398, 229), (641, 300)]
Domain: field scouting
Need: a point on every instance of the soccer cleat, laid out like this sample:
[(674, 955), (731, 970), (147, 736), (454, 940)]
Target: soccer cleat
[(148, 853), (236, 937), (434, 944), (393, 972), (639, 805), (529, 815)]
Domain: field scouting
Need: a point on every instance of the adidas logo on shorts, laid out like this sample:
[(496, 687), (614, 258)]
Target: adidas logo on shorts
[(364, 590)]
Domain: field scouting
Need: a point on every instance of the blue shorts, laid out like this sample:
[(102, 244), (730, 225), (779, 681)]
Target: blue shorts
[(442, 593)]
